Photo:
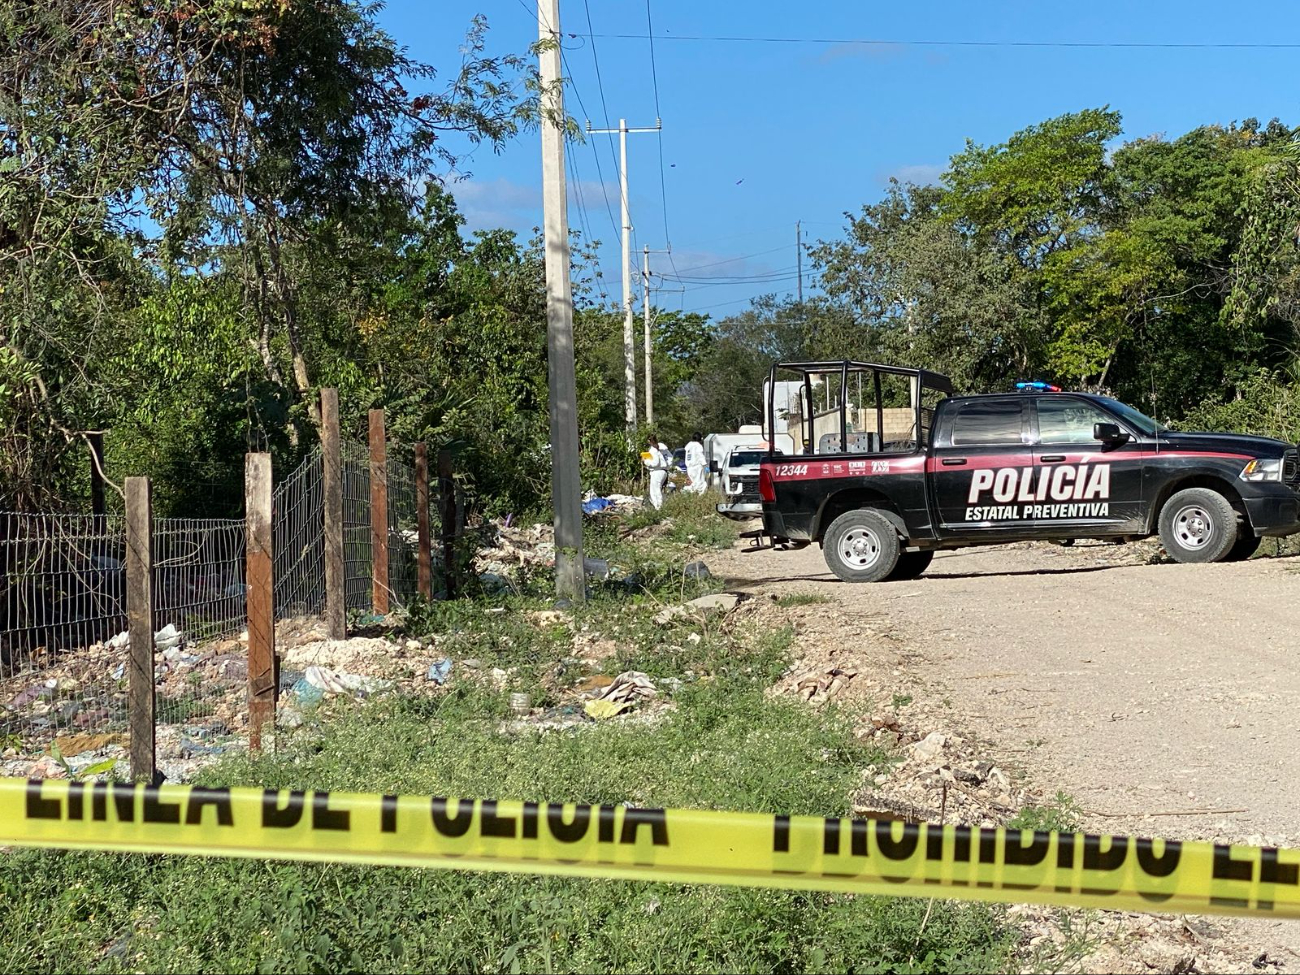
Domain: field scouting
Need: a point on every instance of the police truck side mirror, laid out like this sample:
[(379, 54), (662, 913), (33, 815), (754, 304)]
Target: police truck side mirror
[(1108, 433)]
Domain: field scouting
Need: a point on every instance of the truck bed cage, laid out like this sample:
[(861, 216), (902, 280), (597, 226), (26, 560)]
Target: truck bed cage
[(919, 380)]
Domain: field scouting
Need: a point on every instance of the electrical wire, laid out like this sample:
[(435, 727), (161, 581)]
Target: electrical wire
[(730, 260), (663, 187), (600, 172), (930, 42), (600, 85)]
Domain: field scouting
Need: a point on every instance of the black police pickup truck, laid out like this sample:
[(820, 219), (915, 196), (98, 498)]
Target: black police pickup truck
[(926, 471)]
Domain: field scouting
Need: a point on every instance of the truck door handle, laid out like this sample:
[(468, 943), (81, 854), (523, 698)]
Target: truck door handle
[(954, 461), (1052, 458)]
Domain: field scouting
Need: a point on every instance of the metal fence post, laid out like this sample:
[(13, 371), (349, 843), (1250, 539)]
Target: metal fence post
[(262, 677), (336, 619), (378, 514), (425, 553), (139, 616), (447, 515)]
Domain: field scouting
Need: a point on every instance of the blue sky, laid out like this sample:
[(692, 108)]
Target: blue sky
[(759, 135)]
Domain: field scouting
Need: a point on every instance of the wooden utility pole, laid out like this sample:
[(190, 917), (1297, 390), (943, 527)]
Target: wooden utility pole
[(336, 616), (566, 485), (263, 681), (378, 514), (139, 627), (424, 554)]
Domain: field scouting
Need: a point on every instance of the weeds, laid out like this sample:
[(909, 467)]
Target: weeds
[(723, 742), (801, 599), (1062, 813)]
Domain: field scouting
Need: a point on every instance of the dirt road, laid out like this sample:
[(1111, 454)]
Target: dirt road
[(1163, 698)]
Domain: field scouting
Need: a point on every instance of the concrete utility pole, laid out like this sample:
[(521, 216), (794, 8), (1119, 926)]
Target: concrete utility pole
[(649, 342), (629, 333), (798, 254), (645, 309), (566, 486)]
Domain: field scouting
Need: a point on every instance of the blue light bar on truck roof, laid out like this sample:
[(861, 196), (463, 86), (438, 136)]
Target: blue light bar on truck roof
[(1038, 387)]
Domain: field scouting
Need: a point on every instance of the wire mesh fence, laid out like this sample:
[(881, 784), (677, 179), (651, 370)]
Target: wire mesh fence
[(63, 644), (298, 514), (62, 589), (403, 533), (356, 527)]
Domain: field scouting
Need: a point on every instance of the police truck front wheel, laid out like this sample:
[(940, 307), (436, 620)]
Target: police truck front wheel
[(861, 546), (910, 565), (1198, 525)]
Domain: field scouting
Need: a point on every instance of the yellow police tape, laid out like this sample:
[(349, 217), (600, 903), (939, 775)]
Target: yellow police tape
[(757, 849)]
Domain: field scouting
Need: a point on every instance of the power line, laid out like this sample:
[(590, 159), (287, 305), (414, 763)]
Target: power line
[(600, 173), (730, 260), (663, 189), (600, 83), (928, 42)]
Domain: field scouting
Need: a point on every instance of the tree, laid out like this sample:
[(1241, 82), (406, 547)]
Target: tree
[(224, 139)]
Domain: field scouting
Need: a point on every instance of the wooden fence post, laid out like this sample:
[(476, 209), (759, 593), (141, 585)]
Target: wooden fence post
[(378, 514), (447, 515), (336, 618), (262, 677), (139, 625), (425, 553)]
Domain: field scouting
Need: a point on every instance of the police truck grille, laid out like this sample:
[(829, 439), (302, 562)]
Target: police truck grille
[(1290, 467)]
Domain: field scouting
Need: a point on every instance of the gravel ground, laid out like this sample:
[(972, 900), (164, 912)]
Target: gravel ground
[(1153, 694)]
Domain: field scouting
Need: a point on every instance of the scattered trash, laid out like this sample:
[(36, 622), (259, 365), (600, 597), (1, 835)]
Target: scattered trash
[(472, 663), (599, 568), (439, 671), (595, 505), (620, 694), (601, 709), (308, 694), (723, 601), (336, 682), (520, 703), (599, 682), (167, 638), (36, 692)]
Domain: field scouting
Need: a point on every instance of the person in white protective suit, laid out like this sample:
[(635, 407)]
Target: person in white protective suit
[(697, 468), (658, 460)]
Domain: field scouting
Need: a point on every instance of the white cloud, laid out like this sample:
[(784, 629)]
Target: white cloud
[(922, 174), (487, 204), (501, 202)]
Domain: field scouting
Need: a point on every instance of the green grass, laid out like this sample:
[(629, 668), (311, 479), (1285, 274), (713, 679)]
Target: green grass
[(723, 743), (801, 599), (1062, 813)]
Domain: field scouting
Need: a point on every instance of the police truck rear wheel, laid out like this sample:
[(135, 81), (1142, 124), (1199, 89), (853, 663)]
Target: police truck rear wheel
[(911, 564), (861, 546), (1198, 525)]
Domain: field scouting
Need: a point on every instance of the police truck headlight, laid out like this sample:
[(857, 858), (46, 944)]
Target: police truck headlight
[(1263, 470)]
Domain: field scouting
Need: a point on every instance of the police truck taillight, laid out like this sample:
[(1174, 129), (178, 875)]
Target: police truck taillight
[(766, 487)]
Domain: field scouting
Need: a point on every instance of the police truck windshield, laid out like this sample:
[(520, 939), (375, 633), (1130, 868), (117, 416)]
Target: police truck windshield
[(746, 458), (1146, 426)]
